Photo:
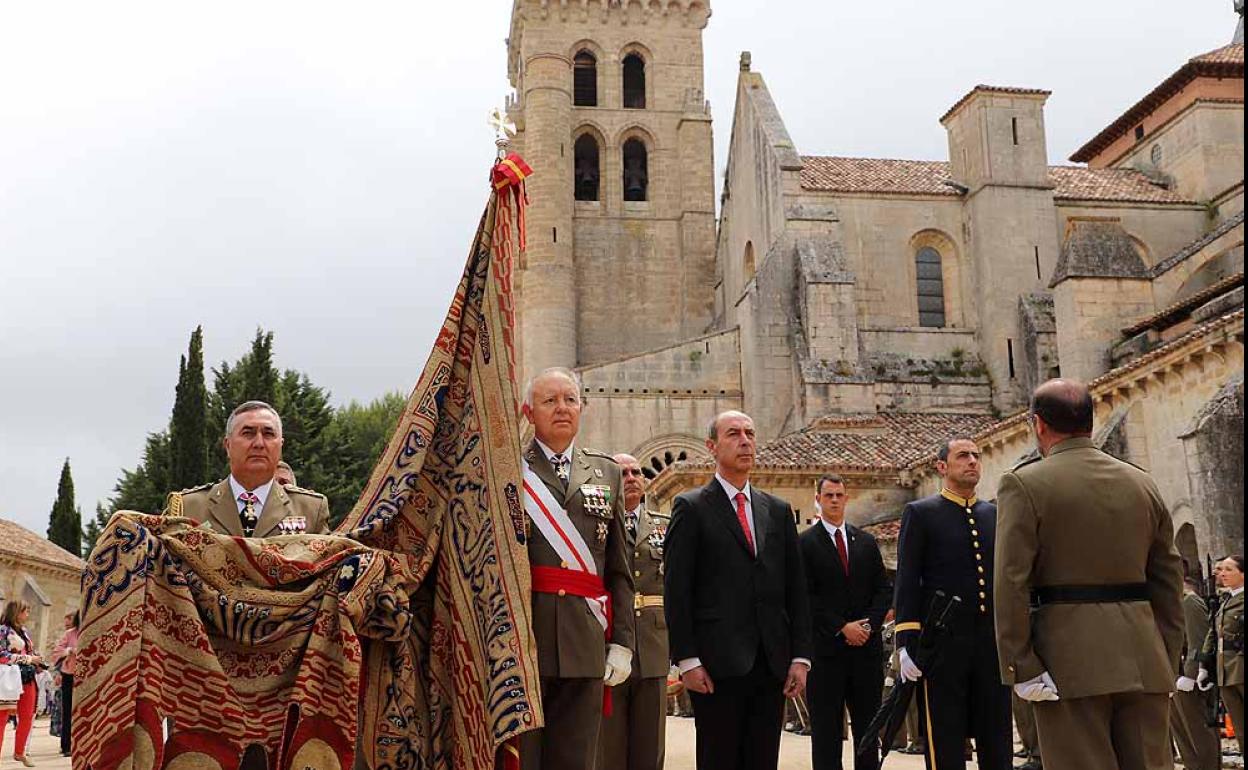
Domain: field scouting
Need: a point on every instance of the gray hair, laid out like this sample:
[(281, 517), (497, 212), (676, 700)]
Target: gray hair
[(561, 371), (251, 406)]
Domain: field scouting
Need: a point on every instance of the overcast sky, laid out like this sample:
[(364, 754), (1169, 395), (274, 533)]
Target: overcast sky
[(317, 169)]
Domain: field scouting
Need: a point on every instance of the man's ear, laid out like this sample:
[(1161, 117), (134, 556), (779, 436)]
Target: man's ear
[(710, 446), (527, 411)]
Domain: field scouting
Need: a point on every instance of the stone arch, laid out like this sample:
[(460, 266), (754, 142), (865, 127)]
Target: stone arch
[(581, 81), (950, 268), (660, 452), (637, 166), (592, 131), (1185, 543), (1216, 268), (642, 55)]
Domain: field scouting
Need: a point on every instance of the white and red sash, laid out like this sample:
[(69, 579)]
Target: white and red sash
[(552, 521)]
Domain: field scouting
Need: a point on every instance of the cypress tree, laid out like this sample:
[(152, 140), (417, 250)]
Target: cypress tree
[(188, 432), (65, 523)]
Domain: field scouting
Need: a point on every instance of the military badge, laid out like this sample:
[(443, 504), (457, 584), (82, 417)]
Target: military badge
[(293, 525), (603, 529), (597, 500)]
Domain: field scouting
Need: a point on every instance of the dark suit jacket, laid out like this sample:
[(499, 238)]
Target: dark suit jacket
[(836, 599), (723, 604)]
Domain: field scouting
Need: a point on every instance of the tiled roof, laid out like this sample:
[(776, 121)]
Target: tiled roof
[(1224, 62), (1105, 379), (983, 89), (1108, 184), (20, 543), (890, 176), (879, 175), (883, 441), (1195, 246), (885, 531), (1175, 310)]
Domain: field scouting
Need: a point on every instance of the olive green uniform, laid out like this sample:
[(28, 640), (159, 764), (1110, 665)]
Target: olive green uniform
[(287, 510), (571, 649), (634, 734), (1198, 743), (1223, 657), (1089, 538)]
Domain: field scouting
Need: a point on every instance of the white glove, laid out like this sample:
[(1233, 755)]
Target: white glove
[(619, 664), (909, 671), (1185, 684), (1041, 688), (889, 681), (1202, 680)]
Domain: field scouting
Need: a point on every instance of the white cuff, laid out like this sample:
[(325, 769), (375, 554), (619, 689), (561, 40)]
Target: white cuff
[(689, 664), (804, 661)]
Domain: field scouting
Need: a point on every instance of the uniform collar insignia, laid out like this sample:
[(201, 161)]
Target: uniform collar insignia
[(964, 502)]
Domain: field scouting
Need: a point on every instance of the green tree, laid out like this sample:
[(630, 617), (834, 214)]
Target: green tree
[(65, 523), (144, 489), (355, 440), (188, 433), (91, 533), (252, 378)]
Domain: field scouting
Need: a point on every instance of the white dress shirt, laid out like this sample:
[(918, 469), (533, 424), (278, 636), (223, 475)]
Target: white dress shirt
[(550, 455), (261, 492), (1237, 591), (833, 529)]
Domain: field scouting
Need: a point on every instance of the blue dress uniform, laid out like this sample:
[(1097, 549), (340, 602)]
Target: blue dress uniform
[(946, 544)]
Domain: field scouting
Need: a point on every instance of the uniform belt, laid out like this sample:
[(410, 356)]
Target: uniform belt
[(1102, 594), (641, 601)]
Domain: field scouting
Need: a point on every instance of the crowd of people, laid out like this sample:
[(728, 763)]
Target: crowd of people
[(1061, 606), (47, 683)]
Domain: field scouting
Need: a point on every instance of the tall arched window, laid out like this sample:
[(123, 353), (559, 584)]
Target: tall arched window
[(585, 167), (636, 173), (634, 82), (931, 287), (748, 261), (584, 79)]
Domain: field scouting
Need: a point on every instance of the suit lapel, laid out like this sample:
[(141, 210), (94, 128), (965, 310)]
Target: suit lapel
[(541, 466), (579, 473), (725, 510), (223, 509), (277, 506), (645, 525)]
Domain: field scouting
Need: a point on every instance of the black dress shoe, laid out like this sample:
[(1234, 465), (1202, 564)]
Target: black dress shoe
[(1030, 764), (1022, 754)]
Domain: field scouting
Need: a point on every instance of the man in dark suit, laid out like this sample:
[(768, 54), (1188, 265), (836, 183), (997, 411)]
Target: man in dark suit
[(849, 597), (946, 544), (737, 614)]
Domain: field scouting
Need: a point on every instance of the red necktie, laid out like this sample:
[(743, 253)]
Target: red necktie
[(745, 524), (840, 548)]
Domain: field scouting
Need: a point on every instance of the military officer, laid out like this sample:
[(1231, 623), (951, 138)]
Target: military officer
[(1223, 650), (946, 544), (249, 503), (633, 736), (1199, 746), (1087, 540), (583, 620)]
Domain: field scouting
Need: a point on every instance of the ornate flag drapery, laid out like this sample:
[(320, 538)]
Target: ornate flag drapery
[(406, 633)]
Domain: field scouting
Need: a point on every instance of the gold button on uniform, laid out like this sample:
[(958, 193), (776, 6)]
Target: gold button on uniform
[(976, 543), (981, 570), (637, 613), (974, 533), (563, 565), (979, 557), (562, 592), (982, 582), (971, 521), (982, 608), (637, 573), (983, 595)]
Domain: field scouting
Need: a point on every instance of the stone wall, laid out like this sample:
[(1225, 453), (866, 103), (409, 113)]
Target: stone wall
[(50, 590), (1091, 314)]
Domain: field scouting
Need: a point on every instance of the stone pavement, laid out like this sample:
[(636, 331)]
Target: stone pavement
[(45, 751)]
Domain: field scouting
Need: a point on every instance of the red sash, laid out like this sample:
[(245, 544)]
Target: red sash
[(562, 582)]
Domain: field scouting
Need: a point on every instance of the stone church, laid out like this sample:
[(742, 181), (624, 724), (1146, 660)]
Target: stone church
[(863, 309)]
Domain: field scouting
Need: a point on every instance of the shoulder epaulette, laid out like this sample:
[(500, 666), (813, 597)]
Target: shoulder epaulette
[(657, 515), (300, 490), (1035, 458), (200, 488), (596, 453)]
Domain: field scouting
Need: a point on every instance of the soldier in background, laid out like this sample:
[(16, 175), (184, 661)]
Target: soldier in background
[(633, 736), (1198, 742), (285, 474), (1223, 650), (1086, 538), (1025, 721)]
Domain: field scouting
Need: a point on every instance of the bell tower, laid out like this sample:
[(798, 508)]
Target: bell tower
[(610, 113)]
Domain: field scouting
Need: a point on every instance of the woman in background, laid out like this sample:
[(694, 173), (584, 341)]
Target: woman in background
[(65, 656), (16, 648)]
